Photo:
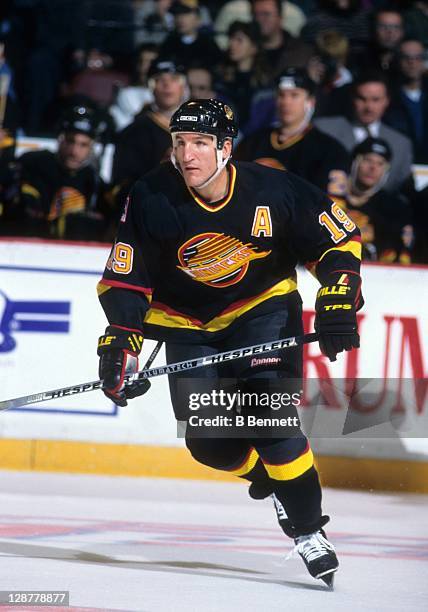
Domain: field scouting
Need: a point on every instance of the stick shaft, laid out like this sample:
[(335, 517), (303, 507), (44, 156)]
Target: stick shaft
[(172, 368)]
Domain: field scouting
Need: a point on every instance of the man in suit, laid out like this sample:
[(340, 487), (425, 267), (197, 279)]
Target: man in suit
[(370, 100), (408, 111)]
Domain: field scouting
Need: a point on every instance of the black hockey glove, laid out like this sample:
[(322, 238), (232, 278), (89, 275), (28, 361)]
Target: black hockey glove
[(118, 350), (336, 314)]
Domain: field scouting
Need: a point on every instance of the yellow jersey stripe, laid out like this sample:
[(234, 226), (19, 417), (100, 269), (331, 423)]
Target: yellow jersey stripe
[(101, 288), (352, 246), (223, 203), (28, 189), (289, 142), (158, 316)]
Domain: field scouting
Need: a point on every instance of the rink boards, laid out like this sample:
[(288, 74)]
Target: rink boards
[(50, 321)]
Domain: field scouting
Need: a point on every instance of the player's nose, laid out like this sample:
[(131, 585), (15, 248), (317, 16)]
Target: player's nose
[(188, 152)]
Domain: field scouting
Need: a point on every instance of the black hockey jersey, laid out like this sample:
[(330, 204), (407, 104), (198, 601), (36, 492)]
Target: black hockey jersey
[(386, 225), (187, 270), (140, 147), (311, 154), (61, 203)]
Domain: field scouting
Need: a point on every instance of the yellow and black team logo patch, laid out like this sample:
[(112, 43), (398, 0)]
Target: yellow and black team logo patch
[(216, 259), (66, 201), (228, 112)]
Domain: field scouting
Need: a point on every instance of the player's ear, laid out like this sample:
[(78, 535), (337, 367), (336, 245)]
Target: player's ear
[(227, 148)]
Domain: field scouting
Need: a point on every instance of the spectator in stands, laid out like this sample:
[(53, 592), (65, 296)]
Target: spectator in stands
[(62, 194), (328, 69), (420, 213), (381, 51), (153, 21), (8, 181), (59, 29), (147, 141), (408, 111), (384, 219), (99, 79), (416, 21), (131, 100), (187, 42), (344, 16), (109, 27), (293, 18), (200, 81), (245, 71), (10, 115), (295, 144), (370, 100), (281, 49)]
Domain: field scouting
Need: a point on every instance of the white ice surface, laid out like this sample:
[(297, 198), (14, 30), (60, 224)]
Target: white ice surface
[(159, 545)]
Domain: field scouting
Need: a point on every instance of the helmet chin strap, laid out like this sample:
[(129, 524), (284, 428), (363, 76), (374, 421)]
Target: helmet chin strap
[(221, 163), (309, 111), (372, 190)]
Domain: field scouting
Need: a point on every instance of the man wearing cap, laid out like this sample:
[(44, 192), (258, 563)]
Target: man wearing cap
[(205, 259), (186, 43), (147, 141), (384, 219), (369, 101), (295, 144), (62, 194)]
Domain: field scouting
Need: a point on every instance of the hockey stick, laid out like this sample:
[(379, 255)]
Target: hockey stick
[(172, 368), (23, 401)]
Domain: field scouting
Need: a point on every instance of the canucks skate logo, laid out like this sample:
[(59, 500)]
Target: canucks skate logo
[(216, 259), (30, 316)]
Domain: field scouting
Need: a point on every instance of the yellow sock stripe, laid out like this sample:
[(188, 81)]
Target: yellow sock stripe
[(293, 469), (132, 344), (248, 464)]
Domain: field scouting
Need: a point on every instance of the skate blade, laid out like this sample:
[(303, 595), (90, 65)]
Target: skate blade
[(329, 580)]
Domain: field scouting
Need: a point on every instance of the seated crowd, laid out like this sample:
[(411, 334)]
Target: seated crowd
[(335, 91)]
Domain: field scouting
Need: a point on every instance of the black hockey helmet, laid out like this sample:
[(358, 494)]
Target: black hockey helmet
[(205, 117), (291, 78), (81, 120), (373, 145)]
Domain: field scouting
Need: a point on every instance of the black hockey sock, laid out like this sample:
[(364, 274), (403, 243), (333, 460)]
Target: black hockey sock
[(301, 499), (261, 485)]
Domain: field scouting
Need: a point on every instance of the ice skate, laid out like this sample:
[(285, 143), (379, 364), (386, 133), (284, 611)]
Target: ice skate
[(318, 555)]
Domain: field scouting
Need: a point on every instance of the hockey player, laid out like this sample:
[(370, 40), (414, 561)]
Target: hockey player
[(384, 219), (62, 194), (295, 144), (146, 141), (205, 259)]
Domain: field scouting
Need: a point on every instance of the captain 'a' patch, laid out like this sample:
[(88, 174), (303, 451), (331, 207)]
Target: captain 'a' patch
[(262, 223)]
